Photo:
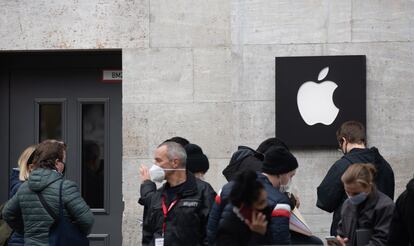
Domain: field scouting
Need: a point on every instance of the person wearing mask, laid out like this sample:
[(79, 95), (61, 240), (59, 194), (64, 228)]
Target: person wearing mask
[(244, 219), (176, 213), (366, 214), (197, 161), (402, 224), (144, 171), (352, 142), (278, 168), (17, 177), (25, 213)]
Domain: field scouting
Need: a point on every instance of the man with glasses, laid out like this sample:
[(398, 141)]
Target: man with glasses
[(352, 143)]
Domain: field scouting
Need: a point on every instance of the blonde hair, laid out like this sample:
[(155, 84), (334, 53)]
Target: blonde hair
[(362, 173), (23, 162)]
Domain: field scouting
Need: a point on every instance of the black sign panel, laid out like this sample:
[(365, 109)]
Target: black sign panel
[(315, 95)]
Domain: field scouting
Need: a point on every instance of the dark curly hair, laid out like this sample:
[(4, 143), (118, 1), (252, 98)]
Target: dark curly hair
[(47, 152)]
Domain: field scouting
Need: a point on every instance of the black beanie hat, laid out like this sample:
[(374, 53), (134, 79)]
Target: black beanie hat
[(196, 160), (278, 160), (265, 145)]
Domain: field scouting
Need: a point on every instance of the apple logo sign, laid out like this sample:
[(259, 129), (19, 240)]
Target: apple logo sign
[(314, 95), (315, 100)]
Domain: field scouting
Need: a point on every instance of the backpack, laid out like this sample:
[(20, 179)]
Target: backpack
[(5, 230), (63, 232)]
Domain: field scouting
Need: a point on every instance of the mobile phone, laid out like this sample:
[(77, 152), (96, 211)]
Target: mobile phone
[(246, 213), (332, 239)]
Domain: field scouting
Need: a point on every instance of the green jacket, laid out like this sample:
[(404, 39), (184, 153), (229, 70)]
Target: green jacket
[(24, 212)]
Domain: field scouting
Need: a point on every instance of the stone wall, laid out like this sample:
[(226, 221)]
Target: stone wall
[(205, 70)]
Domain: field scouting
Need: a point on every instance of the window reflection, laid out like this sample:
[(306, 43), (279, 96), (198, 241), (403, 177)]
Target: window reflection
[(93, 138), (50, 121)]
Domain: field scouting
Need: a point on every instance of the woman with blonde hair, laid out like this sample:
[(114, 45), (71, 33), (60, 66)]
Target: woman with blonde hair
[(366, 214), (47, 202), (17, 177)]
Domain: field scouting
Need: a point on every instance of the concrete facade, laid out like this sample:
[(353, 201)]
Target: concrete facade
[(205, 70)]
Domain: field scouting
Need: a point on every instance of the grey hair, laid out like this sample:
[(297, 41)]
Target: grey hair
[(175, 151)]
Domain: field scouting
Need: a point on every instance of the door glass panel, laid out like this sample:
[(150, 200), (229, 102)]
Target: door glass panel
[(50, 121), (93, 161)]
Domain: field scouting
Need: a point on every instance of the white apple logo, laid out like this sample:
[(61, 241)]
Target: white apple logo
[(315, 101)]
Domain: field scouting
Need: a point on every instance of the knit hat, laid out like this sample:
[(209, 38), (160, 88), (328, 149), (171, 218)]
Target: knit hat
[(265, 145), (196, 160), (278, 160)]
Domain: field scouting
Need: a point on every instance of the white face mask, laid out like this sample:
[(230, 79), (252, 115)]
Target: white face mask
[(284, 188), (157, 174)]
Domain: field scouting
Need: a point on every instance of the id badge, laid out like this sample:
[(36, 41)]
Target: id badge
[(159, 241)]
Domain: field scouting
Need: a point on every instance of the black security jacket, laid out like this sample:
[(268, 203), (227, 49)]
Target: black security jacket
[(187, 220)]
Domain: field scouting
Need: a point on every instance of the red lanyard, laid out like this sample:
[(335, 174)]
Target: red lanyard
[(165, 212)]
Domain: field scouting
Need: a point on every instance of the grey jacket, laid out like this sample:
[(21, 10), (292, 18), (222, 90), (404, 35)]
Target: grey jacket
[(25, 213), (374, 214)]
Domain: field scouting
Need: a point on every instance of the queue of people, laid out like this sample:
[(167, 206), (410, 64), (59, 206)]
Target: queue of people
[(254, 208)]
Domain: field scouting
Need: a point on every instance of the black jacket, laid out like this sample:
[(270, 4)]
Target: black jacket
[(331, 193), (374, 214), (278, 226), (243, 159), (232, 230), (402, 225), (187, 220)]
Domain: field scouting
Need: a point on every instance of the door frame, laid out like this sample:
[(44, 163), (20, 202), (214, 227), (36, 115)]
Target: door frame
[(4, 133), (55, 60)]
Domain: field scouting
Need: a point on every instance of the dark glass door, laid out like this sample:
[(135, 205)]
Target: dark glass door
[(73, 104)]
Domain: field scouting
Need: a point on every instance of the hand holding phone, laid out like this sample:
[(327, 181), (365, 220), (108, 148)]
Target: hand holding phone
[(336, 241), (331, 240)]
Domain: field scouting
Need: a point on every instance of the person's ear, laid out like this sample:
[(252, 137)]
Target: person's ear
[(176, 163), (31, 166)]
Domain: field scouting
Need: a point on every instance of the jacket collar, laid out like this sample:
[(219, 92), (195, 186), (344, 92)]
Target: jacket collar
[(189, 187), (371, 200), (370, 151), (264, 179)]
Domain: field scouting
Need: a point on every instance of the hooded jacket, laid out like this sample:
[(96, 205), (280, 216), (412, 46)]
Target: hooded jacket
[(25, 213), (374, 214), (402, 225), (278, 226), (186, 221), (331, 193), (243, 159)]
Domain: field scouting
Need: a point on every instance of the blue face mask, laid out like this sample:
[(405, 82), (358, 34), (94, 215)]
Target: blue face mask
[(358, 199)]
